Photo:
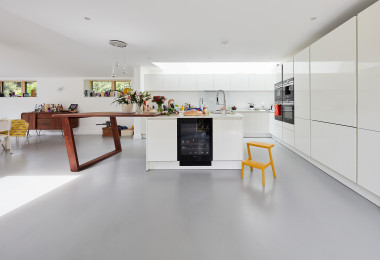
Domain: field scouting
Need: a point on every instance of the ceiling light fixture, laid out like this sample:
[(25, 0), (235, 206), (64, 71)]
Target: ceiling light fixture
[(116, 44), (87, 18), (313, 18)]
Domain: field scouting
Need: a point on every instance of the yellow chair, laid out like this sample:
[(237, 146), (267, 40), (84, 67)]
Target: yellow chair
[(18, 128), (258, 165)]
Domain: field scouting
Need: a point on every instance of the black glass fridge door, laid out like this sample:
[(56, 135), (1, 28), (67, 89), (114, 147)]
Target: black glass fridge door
[(194, 141)]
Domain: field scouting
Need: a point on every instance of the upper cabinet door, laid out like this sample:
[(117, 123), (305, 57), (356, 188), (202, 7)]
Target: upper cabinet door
[(277, 73), (302, 84), (288, 71), (257, 82), (239, 82), (170, 82), (333, 76), (222, 81), (205, 82), (369, 68), (153, 82), (269, 82), (187, 82)]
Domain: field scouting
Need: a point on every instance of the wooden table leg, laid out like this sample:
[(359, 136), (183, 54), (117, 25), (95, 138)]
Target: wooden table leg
[(115, 134), (70, 144), (72, 151)]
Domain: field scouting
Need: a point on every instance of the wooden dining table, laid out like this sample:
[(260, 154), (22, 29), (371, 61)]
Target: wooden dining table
[(67, 127)]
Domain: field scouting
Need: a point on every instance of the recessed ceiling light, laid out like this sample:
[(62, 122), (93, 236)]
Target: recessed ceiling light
[(149, 58), (225, 43), (87, 18), (313, 18)]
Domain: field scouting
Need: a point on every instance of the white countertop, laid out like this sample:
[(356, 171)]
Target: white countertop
[(215, 116), (254, 111)]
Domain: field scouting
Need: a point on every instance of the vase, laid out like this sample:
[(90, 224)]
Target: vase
[(160, 108), (139, 109), (127, 108)]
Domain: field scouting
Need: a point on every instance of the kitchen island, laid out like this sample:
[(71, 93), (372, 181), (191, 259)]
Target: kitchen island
[(195, 142)]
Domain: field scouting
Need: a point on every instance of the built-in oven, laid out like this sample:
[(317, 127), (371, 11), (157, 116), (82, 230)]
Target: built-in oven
[(288, 113), (288, 90), (278, 92), (194, 141)]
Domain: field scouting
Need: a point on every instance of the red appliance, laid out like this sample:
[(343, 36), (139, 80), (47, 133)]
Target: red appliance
[(277, 110)]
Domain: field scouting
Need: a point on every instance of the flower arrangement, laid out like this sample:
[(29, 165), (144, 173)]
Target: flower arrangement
[(159, 100), (124, 98), (140, 97)]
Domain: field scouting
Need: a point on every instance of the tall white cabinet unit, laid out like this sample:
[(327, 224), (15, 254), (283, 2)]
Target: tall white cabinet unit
[(302, 101), (368, 99), (288, 71), (333, 76)]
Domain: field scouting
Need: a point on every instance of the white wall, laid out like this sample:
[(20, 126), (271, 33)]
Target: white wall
[(235, 98), (64, 91)]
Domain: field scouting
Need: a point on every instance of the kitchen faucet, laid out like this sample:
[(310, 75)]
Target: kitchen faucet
[(224, 101)]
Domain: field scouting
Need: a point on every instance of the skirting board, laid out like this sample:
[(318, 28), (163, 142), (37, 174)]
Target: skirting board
[(353, 186), (215, 165)]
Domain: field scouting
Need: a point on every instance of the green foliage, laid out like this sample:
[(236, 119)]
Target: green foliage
[(12, 87), (101, 86), (121, 85), (31, 86)]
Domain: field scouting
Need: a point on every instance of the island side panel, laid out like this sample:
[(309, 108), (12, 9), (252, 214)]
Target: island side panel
[(228, 139)]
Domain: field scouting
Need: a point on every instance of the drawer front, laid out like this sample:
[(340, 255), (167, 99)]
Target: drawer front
[(44, 115), (45, 124)]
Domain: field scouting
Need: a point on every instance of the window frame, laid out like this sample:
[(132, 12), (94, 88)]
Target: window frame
[(23, 86), (113, 83)]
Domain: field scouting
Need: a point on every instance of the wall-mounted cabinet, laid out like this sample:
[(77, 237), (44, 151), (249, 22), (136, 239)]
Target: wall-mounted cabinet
[(335, 147), (200, 82), (205, 82), (153, 82), (333, 76), (187, 82), (302, 84), (222, 81), (369, 68), (170, 82)]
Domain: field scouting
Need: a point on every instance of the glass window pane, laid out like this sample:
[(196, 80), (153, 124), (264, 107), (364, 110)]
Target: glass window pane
[(121, 85), (31, 86), (101, 86), (13, 88)]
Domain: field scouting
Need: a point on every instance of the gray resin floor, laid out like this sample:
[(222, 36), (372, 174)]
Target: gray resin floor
[(115, 210)]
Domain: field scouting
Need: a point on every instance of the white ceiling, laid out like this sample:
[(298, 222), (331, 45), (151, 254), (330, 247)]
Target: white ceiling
[(52, 38)]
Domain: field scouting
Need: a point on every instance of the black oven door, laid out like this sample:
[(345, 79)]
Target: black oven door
[(278, 94), (288, 113)]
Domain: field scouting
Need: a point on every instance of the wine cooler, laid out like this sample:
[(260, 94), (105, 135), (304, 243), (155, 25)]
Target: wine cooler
[(194, 141)]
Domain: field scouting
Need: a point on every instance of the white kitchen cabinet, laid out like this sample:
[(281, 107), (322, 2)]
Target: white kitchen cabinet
[(277, 129), (369, 68), (227, 139), (368, 160), (333, 76), (258, 122), (269, 82), (288, 133), (153, 82), (239, 82), (288, 71), (302, 135), (302, 84), (335, 146), (246, 123), (271, 123), (278, 73), (162, 140), (187, 82), (205, 82), (222, 81), (257, 82), (170, 82)]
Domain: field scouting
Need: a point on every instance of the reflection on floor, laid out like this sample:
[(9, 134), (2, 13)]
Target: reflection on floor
[(115, 210)]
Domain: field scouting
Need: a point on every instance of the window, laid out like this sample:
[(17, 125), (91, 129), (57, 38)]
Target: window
[(121, 85), (31, 88), (18, 88), (101, 86), (104, 88)]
